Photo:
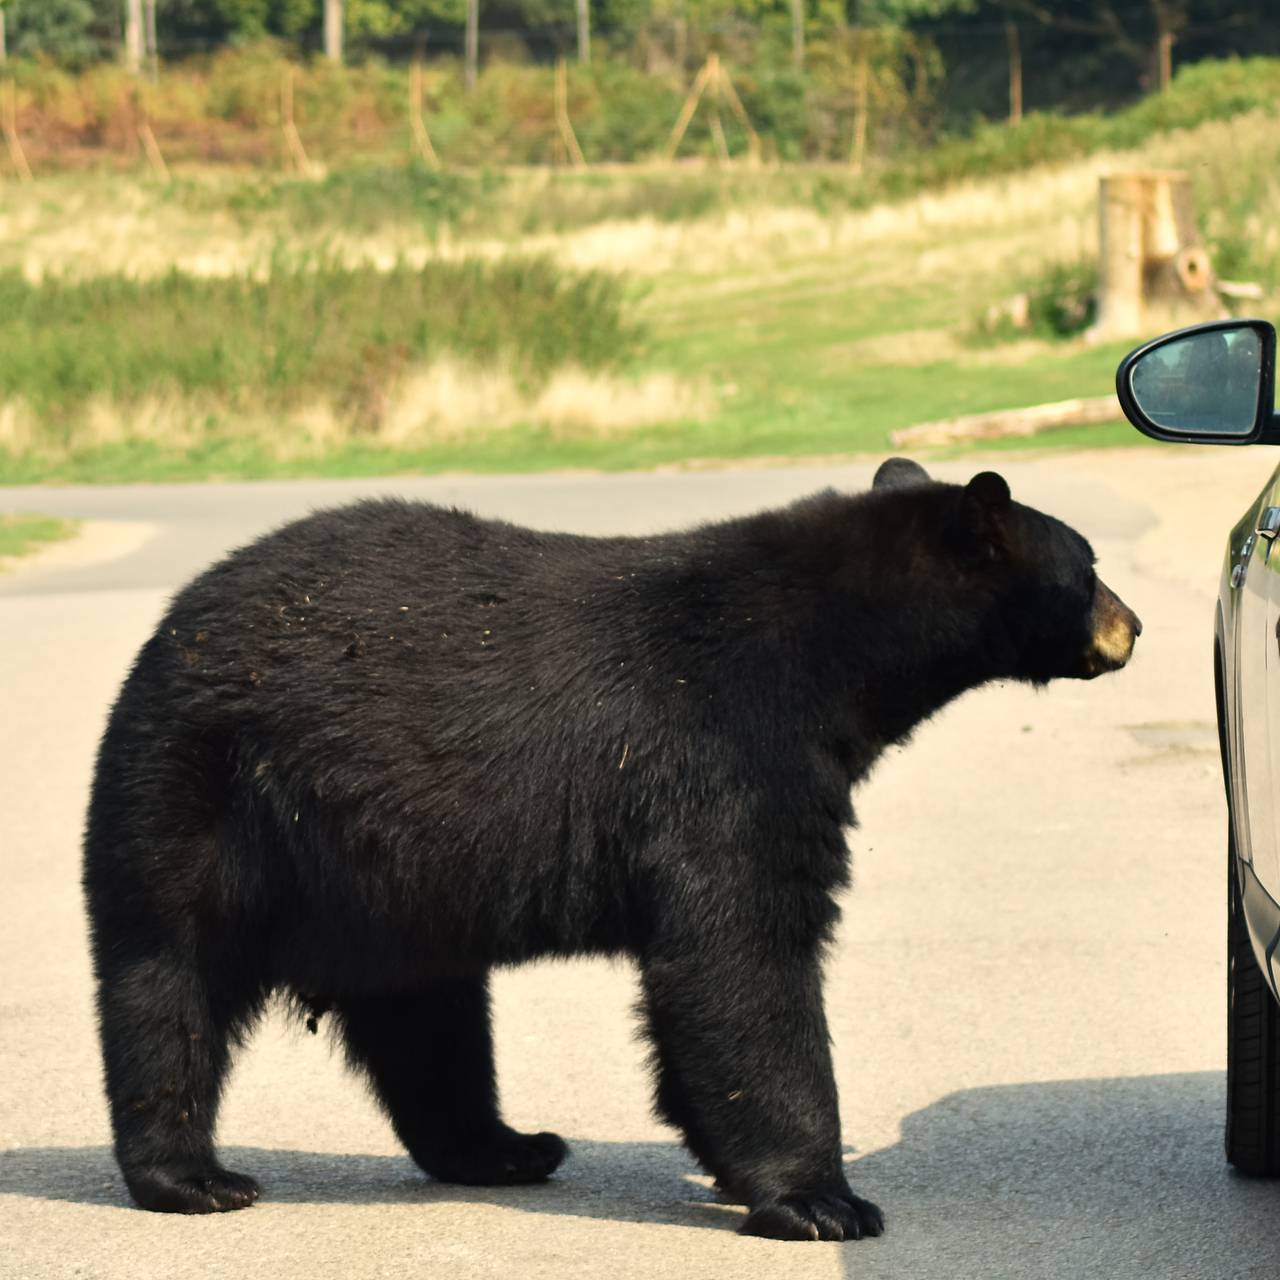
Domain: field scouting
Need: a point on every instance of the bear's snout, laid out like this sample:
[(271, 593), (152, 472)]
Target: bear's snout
[(1113, 629)]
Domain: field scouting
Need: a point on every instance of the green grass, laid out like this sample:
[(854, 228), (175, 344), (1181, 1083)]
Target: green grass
[(22, 534)]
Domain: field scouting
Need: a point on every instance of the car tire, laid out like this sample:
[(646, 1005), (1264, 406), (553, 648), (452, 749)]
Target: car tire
[(1253, 1048)]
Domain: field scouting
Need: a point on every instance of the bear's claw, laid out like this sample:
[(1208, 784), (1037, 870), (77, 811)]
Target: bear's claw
[(835, 1215)]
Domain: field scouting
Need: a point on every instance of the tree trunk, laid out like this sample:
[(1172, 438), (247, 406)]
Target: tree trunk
[(4, 52), (1015, 72), (153, 50), (133, 37), (472, 53), (333, 30), (797, 34), (1164, 60), (584, 32), (1154, 271)]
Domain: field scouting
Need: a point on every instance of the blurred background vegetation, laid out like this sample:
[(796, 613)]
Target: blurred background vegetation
[(204, 301), (928, 69)]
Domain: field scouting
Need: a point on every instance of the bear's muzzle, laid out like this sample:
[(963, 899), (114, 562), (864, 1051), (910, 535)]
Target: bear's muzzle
[(1113, 629)]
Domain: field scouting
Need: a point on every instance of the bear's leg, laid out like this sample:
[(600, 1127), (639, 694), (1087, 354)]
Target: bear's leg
[(429, 1055), (170, 1009), (744, 1069)]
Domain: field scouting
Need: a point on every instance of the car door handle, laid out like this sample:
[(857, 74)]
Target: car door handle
[(1268, 523), (1240, 567)]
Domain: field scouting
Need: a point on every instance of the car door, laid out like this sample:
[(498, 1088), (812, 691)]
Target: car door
[(1257, 692)]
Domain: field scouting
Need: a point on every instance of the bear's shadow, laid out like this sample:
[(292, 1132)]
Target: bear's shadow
[(634, 1181), (1138, 1158)]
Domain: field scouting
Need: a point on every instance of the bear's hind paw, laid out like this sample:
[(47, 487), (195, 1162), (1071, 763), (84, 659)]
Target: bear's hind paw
[(806, 1216)]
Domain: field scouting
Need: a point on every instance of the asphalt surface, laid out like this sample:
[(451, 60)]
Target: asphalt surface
[(1026, 999)]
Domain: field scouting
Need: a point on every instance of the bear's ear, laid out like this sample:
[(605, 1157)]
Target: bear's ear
[(984, 507), (989, 490), (899, 473)]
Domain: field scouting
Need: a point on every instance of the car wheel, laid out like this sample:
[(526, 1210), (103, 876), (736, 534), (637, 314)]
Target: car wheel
[(1253, 1048)]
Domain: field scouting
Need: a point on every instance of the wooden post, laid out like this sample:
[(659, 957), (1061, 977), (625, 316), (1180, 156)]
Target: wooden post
[(584, 32), (292, 138), (1152, 266), (861, 101), (472, 43), (333, 30), (9, 122), (133, 36), (421, 138), (563, 124), (797, 34), (1015, 72)]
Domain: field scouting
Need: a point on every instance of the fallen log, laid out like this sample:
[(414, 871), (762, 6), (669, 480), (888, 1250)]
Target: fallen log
[(1010, 422)]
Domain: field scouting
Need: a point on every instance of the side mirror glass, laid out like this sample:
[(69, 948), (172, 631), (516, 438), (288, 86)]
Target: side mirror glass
[(1210, 383)]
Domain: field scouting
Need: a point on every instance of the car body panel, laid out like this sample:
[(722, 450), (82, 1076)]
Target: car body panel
[(1249, 644)]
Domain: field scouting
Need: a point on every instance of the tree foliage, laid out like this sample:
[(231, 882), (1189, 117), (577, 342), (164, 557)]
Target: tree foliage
[(1076, 54), (61, 30)]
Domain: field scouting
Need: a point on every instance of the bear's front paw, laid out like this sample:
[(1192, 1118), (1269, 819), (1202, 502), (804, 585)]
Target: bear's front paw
[(163, 1189), (803, 1215), (505, 1159)]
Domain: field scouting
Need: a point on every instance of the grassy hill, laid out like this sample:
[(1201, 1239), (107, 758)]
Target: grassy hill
[(232, 323)]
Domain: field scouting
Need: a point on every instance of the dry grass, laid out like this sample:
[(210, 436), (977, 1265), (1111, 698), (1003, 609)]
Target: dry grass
[(445, 402), (98, 224)]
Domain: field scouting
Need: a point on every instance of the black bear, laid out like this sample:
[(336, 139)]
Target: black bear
[(387, 748)]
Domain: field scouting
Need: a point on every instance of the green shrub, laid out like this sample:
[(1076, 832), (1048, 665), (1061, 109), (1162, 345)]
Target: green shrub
[(307, 330)]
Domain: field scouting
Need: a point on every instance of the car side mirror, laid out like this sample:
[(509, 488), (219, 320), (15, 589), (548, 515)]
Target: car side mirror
[(1209, 384)]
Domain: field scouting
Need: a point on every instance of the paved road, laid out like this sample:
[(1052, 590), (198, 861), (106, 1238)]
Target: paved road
[(1027, 998)]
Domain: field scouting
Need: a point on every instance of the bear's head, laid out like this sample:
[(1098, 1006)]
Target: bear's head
[(1026, 580)]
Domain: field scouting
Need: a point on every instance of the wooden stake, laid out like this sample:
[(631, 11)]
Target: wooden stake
[(735, 104), (563, 123), (709, 68), (292, 138), (10, 118), (717, 132), (421, 138), (150, 146), (1015, 72), (713, 76), (862, 94)]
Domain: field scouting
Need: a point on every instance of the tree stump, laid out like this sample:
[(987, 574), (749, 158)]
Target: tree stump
[(1153, 268)]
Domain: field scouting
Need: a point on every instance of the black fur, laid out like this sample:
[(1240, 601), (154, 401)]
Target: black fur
[(385, 749)]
